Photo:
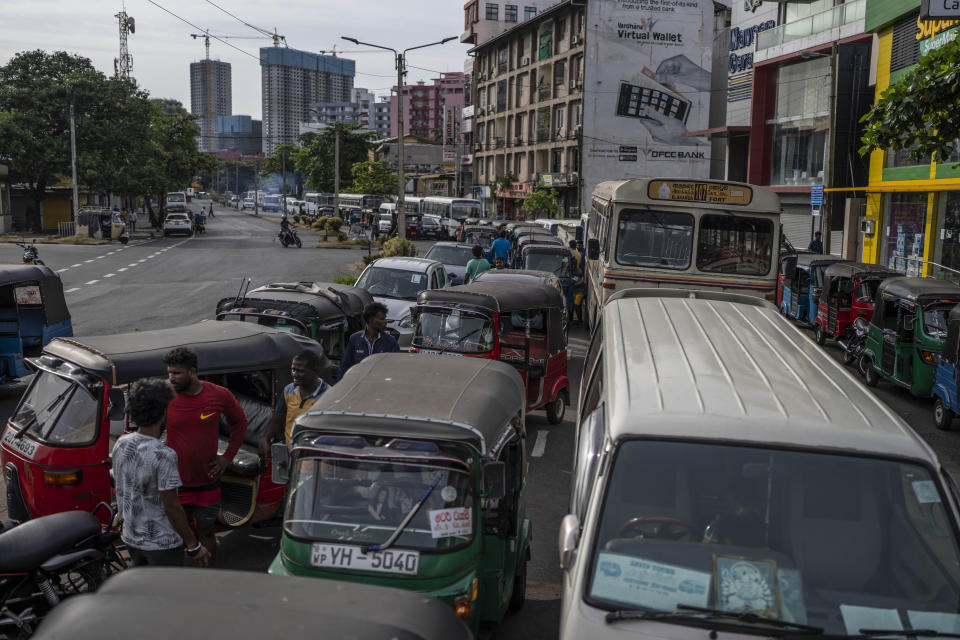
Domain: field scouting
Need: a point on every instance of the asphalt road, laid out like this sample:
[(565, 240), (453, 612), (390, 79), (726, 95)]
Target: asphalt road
[(176, 281)]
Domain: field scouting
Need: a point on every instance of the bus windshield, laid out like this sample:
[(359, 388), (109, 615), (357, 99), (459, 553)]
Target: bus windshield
[(655, 239), (735, 244), (461, 211)]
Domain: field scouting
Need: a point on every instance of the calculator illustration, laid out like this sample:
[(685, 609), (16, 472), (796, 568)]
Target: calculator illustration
[(636, 99)]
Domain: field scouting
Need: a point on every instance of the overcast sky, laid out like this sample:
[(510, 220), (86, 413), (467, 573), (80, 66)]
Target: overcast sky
[(162, 48)]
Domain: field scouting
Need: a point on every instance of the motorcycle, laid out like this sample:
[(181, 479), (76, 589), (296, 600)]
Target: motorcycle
[(853, 344), (44, 560), (30, 253), (289, 237)]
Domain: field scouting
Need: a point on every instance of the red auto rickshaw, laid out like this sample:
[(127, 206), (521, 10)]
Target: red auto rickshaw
[(521, 324), (848, 292), (56, 447)]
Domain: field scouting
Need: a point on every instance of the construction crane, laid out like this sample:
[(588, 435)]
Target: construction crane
[(334, 51)]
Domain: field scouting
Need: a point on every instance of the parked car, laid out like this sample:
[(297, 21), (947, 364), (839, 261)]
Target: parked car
[(177, 223), (396, 282), (430, 227), (247, 204)]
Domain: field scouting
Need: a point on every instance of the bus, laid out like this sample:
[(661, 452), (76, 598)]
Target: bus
[(677, 233), (455, 208), (412, 204), (359, 201)]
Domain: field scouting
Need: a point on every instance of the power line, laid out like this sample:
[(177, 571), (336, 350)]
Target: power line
[(274, 35), (185, 21)]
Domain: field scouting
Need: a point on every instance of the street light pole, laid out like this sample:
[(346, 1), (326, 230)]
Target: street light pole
[(73, 164), (401, 62), (336, 169)]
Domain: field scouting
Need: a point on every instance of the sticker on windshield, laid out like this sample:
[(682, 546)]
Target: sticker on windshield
[(650, 584), (446, 523), (448, 493), (415, 278), (747, 585), (856, 618), (925, 491), (941, 621)]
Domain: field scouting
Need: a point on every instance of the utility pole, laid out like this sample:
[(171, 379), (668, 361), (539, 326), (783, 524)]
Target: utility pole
[(336, 169), (401, 183), (73, 164), (283, 173)]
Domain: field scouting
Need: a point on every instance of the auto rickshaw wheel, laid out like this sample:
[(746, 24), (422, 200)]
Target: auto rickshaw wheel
[(519, 595), (818, 335), (556, 410), (870, 375), (942, 417)]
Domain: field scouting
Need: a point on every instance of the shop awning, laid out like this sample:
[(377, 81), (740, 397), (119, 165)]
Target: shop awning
[(883, 188), (719, 132)]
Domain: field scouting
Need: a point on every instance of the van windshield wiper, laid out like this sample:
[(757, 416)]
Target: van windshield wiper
[(918, 633), (750, 618), (406, 520), (690, 613)]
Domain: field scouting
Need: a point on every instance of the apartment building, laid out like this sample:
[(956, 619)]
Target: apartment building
[(294, 80), (211, 77), (424, 105), (377, 111), (528, 108), (483, 20)]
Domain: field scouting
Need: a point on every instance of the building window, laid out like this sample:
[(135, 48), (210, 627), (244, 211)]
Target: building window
[(493, 11), (510, 12), (520, 81), (801, 123), (903, 223), (529, 12)]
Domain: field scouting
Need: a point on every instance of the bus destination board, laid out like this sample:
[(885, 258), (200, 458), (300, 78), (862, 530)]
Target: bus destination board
[(707, 192)]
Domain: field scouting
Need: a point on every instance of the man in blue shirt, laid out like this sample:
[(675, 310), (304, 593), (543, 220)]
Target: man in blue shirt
[(372, 339), (816, 245), (501, 247)]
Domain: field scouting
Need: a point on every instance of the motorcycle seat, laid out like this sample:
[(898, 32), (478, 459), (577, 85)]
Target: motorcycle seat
[(29, 545)]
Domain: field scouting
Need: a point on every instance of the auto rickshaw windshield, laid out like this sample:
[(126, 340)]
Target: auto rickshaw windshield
[(788, 535), (453, 331), (57, 411), (555, 263), (935, 320), (344, 499)]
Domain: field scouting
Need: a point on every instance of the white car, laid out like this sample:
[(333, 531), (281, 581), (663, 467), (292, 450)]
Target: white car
[(247, 204), (396, 282), (177, 223)]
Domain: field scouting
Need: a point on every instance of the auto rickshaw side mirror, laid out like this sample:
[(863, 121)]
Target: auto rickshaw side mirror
[(593, 249), (115, 409), (494, 480), (568, 540), (280, 467)]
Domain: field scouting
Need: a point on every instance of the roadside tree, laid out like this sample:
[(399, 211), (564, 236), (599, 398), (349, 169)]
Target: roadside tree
[(542, 202), (372, 177), (315, 157)]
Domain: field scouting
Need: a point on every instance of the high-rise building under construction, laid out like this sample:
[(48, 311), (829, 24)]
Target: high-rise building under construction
[(219, 102)]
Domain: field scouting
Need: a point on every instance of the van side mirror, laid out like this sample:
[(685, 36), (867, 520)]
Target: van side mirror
[(494, 480), (593, 249), (115, 408), (280, 468), (568, 540)]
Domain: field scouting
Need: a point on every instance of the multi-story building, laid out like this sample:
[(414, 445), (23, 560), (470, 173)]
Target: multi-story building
[(485, 20), (376, 113), (242, 134), (424, 105), (211, 96), (293, 81)]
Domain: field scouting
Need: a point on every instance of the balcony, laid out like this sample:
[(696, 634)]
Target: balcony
[(544, 93), (498, 143), (812, 25)]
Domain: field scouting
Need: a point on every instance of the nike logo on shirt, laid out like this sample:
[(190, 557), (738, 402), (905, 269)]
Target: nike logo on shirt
[(209, 415)]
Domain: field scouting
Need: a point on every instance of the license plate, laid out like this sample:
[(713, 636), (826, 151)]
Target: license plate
[(345, 556), (25, 447)]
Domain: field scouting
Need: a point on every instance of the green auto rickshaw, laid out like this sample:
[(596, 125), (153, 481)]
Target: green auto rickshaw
[(409, 473), (907, 332)]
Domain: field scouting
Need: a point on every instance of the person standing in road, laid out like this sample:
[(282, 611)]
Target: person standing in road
[(155, 527), (501, 247), (477, 265), (211, 210), (298, 397), (132, 220), (816, 245), (193, 430), (372, 339)]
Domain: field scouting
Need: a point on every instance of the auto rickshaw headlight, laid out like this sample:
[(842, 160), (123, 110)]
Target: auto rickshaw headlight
[(62, 478), (930, 357), (462, 606)]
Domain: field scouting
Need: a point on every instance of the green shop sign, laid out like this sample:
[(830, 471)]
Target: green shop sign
[(935, 42)]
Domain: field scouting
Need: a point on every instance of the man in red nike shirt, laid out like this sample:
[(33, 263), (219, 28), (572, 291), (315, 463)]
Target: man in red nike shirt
[(193, 428)]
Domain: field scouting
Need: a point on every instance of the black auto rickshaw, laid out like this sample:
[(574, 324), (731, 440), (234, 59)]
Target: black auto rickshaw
[(521, 324), (329, 313)]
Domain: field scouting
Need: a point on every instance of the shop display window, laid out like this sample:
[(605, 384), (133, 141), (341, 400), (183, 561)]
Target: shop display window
[(903, 223), (801, 123)]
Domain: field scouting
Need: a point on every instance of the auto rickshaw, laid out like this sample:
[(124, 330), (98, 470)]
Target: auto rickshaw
[(329, 313), (33, 312), (138, 604), (521, 324), (527, 238), (946, 405), (787, 262), (554, 259), (413, 224), (410, 473), (483, 236), (848, 292), (907, 332), (104, 223), (57, 444), (802, 285)]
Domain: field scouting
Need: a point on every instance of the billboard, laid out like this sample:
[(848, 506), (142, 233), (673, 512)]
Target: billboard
[(648, 72)]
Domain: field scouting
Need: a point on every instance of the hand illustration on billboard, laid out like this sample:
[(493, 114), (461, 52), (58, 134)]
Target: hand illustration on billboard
[(680, 69), (666, 130)]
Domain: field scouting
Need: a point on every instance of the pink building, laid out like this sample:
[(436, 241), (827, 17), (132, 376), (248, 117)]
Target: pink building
[(424, 104)]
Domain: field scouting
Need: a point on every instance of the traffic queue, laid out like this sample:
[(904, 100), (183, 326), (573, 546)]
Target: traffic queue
[(728, 475)]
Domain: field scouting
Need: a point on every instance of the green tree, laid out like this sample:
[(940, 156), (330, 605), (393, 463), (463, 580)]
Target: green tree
[(315, 157), (542, 203), (918, 112), (373, 178)]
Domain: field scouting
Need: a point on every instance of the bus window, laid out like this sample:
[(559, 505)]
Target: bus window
[(654, 239), (735, 244)]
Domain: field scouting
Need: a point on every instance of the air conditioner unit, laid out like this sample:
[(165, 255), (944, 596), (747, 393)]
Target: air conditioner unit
[(578, 84), (577, 129), (576, 40), (525, 61)]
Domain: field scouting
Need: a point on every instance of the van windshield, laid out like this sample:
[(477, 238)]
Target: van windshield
[(57, 411), (337, 498), (838, 542), (176, 197)]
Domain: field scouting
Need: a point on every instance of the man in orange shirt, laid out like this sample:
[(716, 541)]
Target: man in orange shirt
[(298, 397), (193, 430)]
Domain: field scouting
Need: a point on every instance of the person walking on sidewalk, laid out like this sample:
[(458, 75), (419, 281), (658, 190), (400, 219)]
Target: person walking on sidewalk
[(155, 527), (193, 430), (371, 339)]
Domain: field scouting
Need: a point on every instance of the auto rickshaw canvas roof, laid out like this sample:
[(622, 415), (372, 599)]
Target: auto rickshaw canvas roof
[(17, 273), (469, 400), (634, 190), (921, 290), (221, 347), (852, 269), (343, 300), (137, 603), (498, 296), (552, 249), (517, 275), (810, 259), (728, 368)]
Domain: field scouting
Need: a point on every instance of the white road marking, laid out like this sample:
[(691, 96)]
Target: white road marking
[(99, 257), (144, 260), (109, 275), (93, 282), (90, 260), (72, 290), (540, 445), (132, 264), (62, 270), (74, 266), (122, 269)]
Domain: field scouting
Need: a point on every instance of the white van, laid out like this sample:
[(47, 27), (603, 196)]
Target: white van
[(176, 201), (731, 476)]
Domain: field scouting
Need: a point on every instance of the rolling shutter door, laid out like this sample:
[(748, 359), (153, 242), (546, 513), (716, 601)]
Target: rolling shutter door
[(796, 228)]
